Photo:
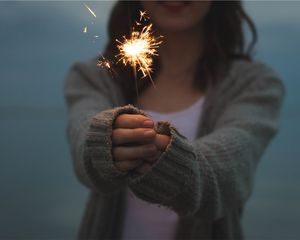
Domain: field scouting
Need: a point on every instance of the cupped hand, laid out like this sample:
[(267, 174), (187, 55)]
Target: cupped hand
[(161, 142), (136, 145), (132, 139)]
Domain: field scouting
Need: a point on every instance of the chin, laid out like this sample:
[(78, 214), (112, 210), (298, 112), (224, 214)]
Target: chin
[(176, 15), (173, 26)]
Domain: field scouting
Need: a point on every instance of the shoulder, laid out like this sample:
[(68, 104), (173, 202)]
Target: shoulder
[(250, 82), (252, 71), (244, 74), (87, 76), (89, 73)]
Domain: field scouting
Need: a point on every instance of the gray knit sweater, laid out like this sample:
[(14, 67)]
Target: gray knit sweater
[(206, 182)]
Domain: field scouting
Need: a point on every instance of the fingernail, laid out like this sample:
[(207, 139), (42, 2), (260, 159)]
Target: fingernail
[(149, 133), (148, 123)]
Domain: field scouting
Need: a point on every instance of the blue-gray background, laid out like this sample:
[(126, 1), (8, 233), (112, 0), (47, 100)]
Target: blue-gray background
[(40, 196)]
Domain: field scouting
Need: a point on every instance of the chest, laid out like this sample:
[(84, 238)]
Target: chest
[(186, 121), (169, 97)]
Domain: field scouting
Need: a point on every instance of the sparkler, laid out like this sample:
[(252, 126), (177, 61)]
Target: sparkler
[(139, 49), (136, 51)]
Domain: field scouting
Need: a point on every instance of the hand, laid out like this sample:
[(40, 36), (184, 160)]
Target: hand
[(145, 144), (161, 142), (133, 140)]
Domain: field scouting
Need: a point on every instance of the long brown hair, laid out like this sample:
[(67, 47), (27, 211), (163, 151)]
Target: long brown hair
[(224, 42)]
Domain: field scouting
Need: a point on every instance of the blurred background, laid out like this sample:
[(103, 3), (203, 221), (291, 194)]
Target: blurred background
[(40, 195)]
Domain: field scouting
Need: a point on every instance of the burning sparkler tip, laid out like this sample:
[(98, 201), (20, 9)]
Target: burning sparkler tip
[(138, 50)]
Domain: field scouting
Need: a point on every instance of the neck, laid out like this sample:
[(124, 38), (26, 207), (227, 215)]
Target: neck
[(180, 52)]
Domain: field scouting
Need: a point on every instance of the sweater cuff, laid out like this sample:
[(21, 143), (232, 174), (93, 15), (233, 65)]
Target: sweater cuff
[(98, 145), (172, 176)]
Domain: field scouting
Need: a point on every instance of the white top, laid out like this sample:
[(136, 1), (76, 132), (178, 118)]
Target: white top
[(186, 121), (148, 221)]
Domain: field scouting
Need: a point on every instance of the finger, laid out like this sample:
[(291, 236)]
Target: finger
[(162, 141), (154, 158), (128, 165), (133, 121), (145, 167), (122, 153), (137, 135)]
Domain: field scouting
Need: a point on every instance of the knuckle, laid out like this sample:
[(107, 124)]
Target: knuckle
[(125, 165), (128, 165), (116, 153), (121, 166), (130, 133), (137, 133), (119, 120), (114, 136), (149, 149)]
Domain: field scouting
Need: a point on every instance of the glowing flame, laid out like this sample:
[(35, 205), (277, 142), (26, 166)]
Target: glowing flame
[(139, 49), (136, 51)]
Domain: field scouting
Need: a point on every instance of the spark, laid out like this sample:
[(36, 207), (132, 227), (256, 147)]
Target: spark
[(104, 63), (96, 36), (143, 15), (139, 49), (90, 10), (85, 30)]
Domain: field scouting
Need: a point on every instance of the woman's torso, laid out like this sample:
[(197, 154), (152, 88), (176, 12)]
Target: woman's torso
[(169, 96), (148, 221)]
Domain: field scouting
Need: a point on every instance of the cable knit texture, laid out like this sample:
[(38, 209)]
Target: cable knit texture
[(206, 182)]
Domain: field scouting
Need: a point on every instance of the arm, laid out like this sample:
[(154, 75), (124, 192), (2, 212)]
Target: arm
[(97, 134), (91, 98), (215, 173)]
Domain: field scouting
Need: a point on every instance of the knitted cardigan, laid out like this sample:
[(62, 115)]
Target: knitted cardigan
[(206, 182)]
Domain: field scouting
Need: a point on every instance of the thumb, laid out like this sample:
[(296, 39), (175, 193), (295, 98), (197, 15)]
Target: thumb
[(162, 141)]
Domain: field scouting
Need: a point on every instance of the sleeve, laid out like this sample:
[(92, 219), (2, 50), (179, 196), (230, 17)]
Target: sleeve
[(215, 173), (89, 95)]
